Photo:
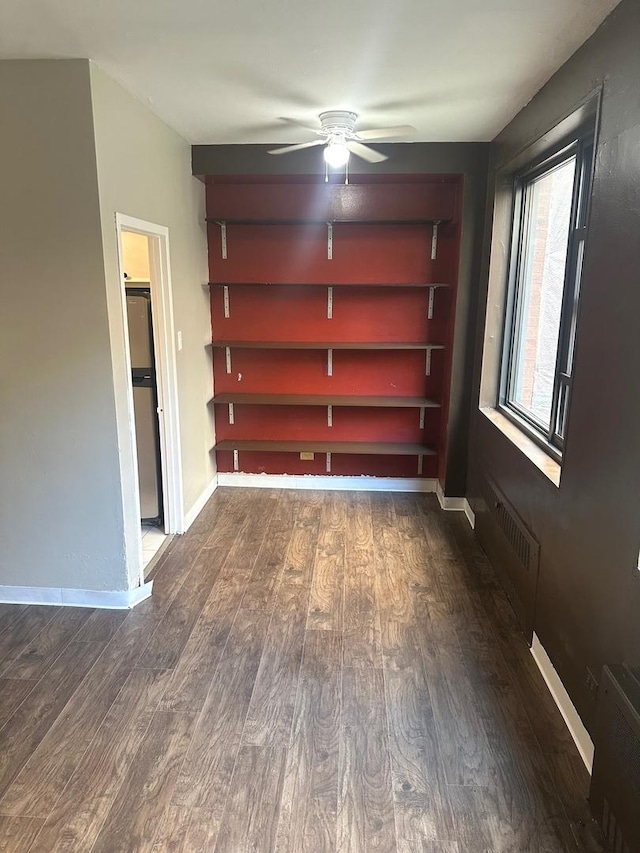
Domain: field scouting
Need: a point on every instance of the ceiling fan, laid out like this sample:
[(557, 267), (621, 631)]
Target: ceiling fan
[(338, 134)]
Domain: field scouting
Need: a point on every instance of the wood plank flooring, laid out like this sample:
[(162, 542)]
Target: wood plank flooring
[(315, 673)]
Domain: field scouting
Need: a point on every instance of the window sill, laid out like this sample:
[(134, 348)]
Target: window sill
[(543, 462)]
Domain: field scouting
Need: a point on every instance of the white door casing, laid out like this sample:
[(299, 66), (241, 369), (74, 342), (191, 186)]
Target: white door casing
[(167, 385)]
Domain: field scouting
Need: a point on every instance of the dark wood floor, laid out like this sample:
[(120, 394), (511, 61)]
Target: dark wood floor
[(314, 672)]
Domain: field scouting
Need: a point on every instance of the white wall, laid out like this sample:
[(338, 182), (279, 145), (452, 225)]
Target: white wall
[(61, 519), (144, 171)]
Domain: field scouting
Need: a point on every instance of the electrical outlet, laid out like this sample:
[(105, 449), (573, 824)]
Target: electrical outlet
[(591, 682), (305, 456)]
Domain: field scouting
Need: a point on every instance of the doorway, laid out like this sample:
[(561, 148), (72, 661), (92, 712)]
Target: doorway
[(145, 410), (152, 384)]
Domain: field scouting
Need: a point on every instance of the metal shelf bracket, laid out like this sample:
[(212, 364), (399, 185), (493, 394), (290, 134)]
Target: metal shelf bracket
[(329, 241), (330, 416), (329, 303), (223, 238), (420, 458), (329, 362), (236, 460), (422, 409), (428, 364), (328, 465), (231, 414), (434, 241), (432, 292), (227, 351), (225, 292)]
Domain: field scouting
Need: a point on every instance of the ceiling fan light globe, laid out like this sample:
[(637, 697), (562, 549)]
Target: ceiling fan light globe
[(336, 154)]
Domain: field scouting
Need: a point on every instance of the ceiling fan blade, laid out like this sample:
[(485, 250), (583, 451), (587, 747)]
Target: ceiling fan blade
[(365, 152), (287, 148), (297, 123), (386, 132)]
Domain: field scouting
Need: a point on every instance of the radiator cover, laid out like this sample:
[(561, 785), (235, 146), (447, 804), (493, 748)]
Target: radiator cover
[(615, 783), (513, 550)]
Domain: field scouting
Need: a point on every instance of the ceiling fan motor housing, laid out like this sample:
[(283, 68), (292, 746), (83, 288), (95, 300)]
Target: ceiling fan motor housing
[(338, 123)]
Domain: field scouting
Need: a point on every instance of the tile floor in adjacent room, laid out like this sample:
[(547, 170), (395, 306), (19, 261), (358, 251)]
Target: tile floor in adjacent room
[(153, 539)]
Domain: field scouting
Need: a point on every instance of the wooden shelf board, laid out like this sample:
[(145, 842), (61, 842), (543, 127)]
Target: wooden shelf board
[(335, 345), (349, 447), (339, 286), (218, 220), (325, 400)]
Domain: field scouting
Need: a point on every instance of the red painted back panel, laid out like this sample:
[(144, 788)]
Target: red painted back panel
[(371, 372), (300, 423), (295, 254), (269, 312), (252, 462), (421, 199)]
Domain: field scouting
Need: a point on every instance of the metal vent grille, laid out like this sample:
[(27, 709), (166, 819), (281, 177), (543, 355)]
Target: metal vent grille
[(514, 530), (513, 551)]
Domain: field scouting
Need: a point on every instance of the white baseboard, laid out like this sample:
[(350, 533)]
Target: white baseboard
[(337, 483), (562, 699), (199, 505), (455, 505), (470, 514), (59, 596)]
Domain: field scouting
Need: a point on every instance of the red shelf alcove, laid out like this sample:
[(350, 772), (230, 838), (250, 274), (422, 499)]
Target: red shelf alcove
[(277, 285)]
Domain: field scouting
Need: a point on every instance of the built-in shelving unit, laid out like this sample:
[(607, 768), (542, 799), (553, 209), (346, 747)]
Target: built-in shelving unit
[(385, 349), (324, 400), (338, 285), (360, 345), (274, 220), (368, 448), (330, 224)]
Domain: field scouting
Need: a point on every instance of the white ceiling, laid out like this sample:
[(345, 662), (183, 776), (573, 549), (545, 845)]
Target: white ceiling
[(223, 71)]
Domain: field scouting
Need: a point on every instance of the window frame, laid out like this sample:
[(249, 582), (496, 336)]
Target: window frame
[(580, 145)]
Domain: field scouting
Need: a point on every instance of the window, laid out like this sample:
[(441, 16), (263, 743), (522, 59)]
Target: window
[(549, 230)]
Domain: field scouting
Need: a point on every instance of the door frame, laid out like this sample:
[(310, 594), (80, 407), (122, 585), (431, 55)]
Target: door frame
[(166, 372)]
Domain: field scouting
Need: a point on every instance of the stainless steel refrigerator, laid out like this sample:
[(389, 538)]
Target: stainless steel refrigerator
[(145, 403)]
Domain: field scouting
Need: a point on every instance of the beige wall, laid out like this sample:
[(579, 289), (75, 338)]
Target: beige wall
[(144, 171), (74, 149), (61, 519)]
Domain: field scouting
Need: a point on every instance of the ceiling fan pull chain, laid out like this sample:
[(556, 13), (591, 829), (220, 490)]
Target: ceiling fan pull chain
[(326, 172), (346, 172)]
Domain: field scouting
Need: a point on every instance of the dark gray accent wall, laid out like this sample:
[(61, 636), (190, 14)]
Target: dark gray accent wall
[(588, 599), (468, 159)]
